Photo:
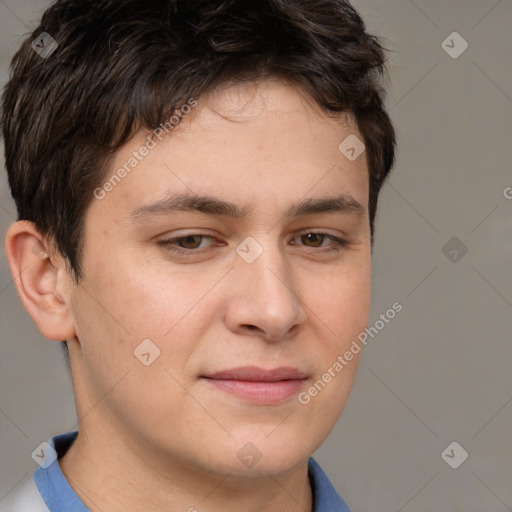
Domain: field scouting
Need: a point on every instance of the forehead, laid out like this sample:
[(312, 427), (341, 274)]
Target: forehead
[(264, 141)]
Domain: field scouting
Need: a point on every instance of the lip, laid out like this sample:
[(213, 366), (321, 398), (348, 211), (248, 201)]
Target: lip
[(258, 385)]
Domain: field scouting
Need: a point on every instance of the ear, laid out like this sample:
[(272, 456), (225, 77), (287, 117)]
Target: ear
[(42, 282)]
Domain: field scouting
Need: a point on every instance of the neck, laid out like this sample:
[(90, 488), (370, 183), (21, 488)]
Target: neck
[(112, 475)]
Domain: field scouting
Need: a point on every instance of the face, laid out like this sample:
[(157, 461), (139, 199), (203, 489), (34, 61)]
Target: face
[(203, 325)]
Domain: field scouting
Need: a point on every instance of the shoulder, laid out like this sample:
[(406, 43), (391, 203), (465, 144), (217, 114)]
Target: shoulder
[(25, 497), (326, 498)]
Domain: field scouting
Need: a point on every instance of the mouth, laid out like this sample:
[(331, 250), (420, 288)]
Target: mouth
[(258, 385)]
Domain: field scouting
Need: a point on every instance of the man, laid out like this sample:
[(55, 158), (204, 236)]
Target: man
[(196, 185)]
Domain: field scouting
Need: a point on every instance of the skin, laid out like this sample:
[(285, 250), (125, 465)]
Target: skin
[(159, 437)]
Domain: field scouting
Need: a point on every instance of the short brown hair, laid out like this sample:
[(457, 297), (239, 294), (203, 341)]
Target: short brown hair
[(123, 65)]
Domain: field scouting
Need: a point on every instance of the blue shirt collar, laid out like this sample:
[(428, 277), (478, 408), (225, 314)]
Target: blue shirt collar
[(60, 497)]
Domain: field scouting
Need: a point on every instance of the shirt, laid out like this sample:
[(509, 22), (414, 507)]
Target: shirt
[(47, 490)]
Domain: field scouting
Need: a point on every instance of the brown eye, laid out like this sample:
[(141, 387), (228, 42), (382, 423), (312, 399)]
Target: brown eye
[(314, 239), (190, 241), (190, 244)]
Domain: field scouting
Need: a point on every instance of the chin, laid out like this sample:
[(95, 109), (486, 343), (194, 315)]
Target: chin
[(259, 455)]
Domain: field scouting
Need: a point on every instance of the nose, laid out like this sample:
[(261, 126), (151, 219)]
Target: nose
[(264, 299)]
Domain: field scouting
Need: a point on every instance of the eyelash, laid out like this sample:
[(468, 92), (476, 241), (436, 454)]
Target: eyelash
[(170, 243)]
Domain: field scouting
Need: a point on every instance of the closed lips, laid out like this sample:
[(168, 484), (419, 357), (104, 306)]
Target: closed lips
[(254, 374), (259, 386)]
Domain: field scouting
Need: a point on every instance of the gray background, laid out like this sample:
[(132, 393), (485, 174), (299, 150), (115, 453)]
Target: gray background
[(440, 371)]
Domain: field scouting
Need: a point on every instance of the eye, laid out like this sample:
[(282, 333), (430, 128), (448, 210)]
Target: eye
[(186, 244), (315, 239), (196, 243)]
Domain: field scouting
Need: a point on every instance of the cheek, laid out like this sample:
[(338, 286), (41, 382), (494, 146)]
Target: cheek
[(132, 327), (141, 302), (163, 314), (353, 307), (342, 299), (342, 306)]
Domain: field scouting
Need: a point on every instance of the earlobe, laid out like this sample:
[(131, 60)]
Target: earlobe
[(39, 281)]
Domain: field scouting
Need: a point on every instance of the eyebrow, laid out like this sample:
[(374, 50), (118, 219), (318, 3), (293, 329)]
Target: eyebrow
[(210, 205)]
